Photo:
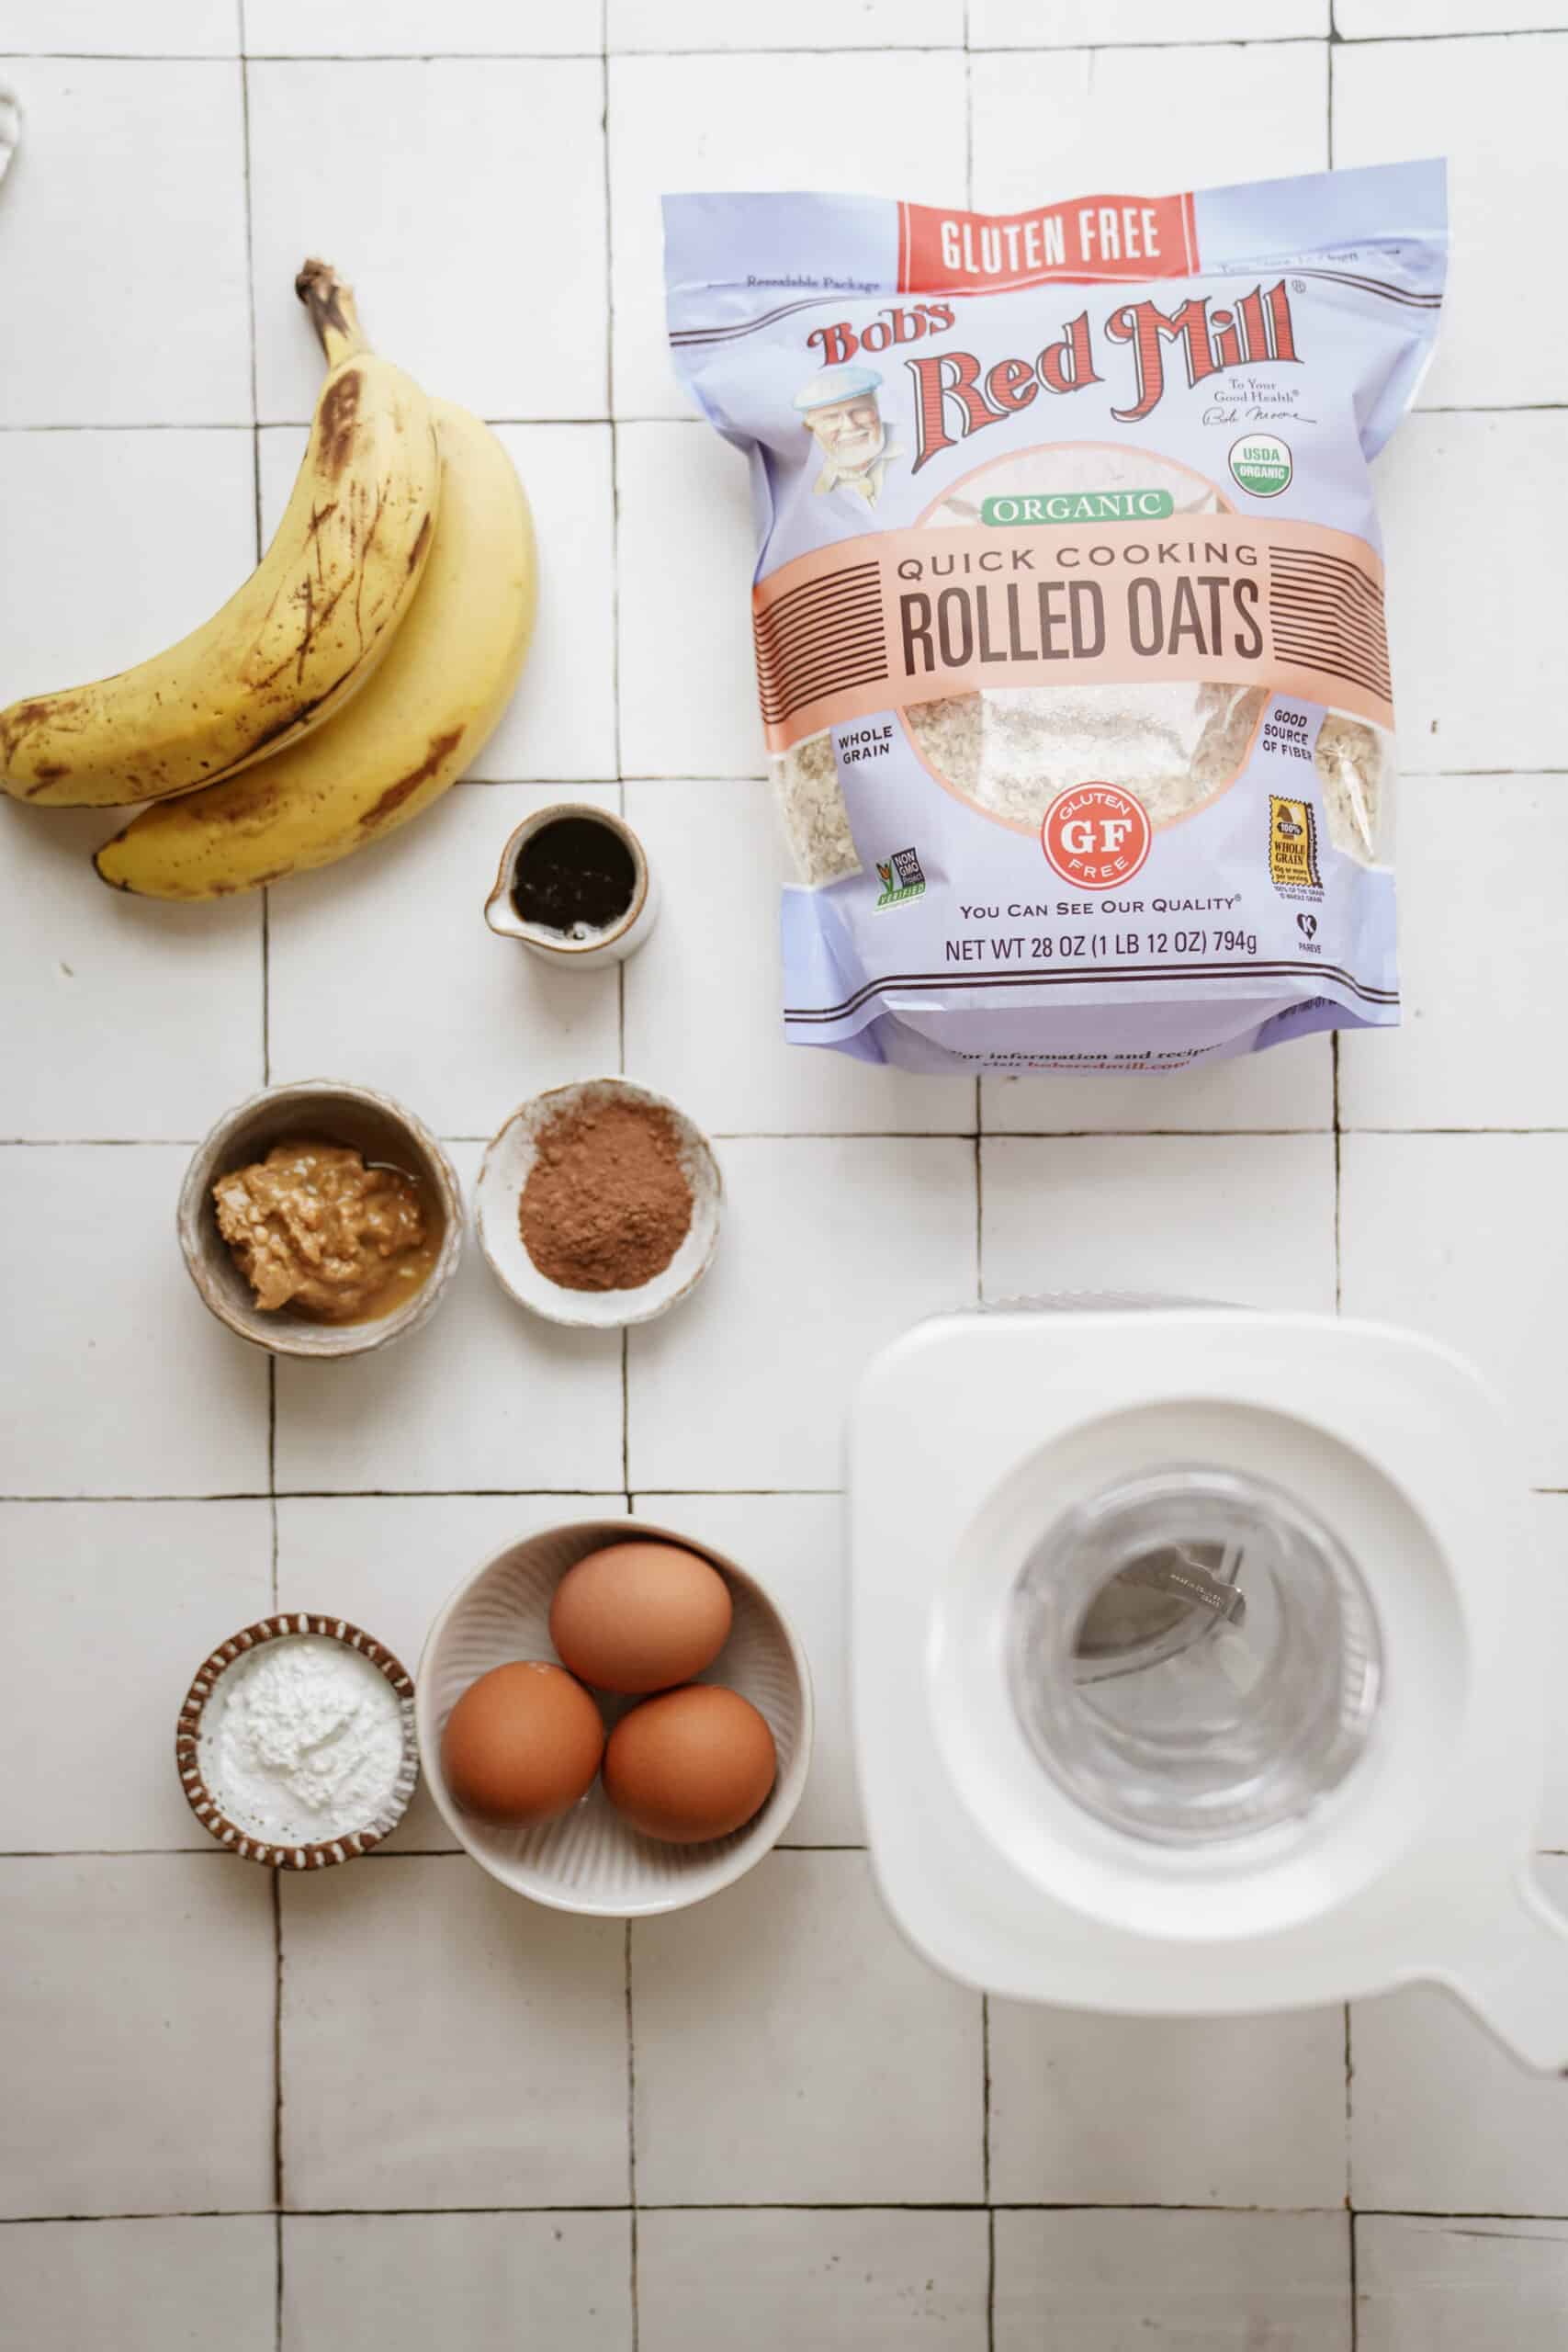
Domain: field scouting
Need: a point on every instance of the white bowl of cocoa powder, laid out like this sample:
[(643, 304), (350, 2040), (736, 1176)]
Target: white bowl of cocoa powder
[(599, 1204)]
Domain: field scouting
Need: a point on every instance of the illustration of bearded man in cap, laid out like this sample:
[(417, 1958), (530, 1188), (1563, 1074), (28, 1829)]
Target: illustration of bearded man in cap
[(840, 407)]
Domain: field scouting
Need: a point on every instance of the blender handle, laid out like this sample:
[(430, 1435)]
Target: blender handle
[(1517, 1984)]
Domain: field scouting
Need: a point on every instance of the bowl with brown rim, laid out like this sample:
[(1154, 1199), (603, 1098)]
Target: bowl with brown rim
[(317, 1111), (242, 1838)]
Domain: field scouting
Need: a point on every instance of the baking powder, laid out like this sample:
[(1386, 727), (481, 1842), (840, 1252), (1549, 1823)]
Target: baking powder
[(302, 1742)]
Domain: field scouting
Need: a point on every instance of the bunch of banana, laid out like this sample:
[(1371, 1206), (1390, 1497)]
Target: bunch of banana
[(346, 685)]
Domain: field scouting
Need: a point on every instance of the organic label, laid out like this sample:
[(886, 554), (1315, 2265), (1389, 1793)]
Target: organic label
[(1261, 464), (1080, 506)]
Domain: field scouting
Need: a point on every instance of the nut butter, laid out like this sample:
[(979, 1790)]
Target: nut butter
[(314, 1228)]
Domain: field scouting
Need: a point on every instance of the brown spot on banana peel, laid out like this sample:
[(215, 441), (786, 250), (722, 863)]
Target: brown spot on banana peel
[(316, 618), (439, 751), (245, 799), (18, 723), (336, 420), (419, 546), (320, 515), (364, 558)]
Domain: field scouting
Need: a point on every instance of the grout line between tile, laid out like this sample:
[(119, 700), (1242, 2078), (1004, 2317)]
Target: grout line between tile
[(1338, 1187), (603, 418), (985, 2096), (208, 1850), (464, 1494), (979, 1208), (621, 1054), (249, 230), (277, 2042), (968, 1134), (1350, 2111), (991, 2279), (631, 2142), (429, 1494), (730, 54), (771, 2205)]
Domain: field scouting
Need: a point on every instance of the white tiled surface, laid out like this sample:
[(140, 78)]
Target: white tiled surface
[(409, 157), (360, 2283), (1508, 181), (787, 2038), (1462, 1237), (143, 2286), (526, 1023), (1155, 2111), (838, 2282), (443, 2044), (688, 702), (1482, 1044), (136, 2037), (772, 2123), (407, 28), (1426, 2285), (1218, 2282), (1442, 2119), (833, 1246), (1122, 118), (1244, 1217), (124, 164), (107, 28), (1025, 24)]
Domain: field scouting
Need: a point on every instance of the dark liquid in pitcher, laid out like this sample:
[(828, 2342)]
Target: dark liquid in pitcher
[(573, 876)]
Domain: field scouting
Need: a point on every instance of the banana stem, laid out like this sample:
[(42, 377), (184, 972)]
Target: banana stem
[(332, 314)]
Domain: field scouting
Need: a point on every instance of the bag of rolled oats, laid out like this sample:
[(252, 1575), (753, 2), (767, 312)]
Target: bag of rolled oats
[(1069, 605)]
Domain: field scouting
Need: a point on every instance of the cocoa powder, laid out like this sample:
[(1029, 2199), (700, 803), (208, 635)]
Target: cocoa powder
[(608, 1203)]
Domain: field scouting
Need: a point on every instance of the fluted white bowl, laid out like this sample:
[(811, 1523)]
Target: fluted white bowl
[(591, 1860)]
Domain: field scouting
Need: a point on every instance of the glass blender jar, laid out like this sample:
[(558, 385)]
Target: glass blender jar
[(1189, 1664), (1193, 1655)]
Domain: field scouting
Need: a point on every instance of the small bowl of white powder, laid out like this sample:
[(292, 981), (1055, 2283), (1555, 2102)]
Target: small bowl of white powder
[(295, 1744)]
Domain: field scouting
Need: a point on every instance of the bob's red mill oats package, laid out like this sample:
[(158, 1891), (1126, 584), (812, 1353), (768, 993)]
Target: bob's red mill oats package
[(1069, 609)]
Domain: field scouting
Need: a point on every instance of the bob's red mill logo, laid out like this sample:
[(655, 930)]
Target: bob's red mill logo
[(1100, 240)]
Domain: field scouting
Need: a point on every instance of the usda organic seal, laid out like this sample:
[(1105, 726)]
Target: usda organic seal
[(1261, 464)]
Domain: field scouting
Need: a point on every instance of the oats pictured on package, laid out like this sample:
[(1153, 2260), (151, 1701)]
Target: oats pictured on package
[(1069, 607)]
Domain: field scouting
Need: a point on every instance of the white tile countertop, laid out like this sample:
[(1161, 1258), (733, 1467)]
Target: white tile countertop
[(392, 2105)]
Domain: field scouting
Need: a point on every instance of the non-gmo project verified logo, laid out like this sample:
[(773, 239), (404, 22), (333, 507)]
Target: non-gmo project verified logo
[(902, 878)]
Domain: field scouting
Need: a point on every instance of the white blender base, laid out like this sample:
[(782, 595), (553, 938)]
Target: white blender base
[(972, 1435)]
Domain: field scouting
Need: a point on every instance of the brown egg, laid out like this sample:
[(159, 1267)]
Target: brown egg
[(690, 1764), (522, 1744), (640, 1616)]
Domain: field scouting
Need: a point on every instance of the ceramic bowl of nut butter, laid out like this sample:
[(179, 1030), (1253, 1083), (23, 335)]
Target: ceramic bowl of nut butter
[(321, 1220)]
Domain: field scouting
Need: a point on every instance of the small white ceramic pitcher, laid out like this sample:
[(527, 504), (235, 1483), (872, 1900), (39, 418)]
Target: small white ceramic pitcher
[(583, 947)]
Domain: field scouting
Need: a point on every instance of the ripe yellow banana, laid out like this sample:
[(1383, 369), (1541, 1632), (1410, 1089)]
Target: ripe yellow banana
[(419, 723), (304, 633)]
